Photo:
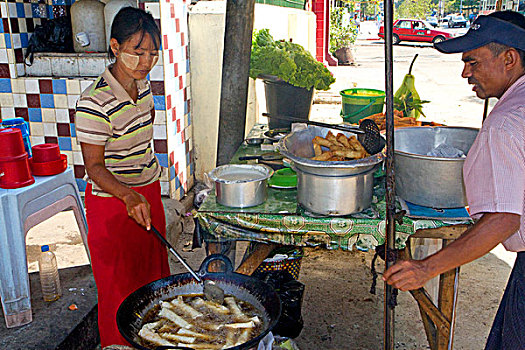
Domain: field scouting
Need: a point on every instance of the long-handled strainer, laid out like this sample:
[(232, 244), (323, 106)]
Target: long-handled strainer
[(367, 132), (210, 290)]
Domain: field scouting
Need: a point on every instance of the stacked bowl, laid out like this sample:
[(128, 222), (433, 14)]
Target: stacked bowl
[(47, 160), (14, 165)]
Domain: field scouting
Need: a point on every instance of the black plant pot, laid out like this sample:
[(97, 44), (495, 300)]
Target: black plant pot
[(283, 99)]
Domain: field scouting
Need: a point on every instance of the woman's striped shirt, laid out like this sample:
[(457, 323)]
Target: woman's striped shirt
[(106, 115)]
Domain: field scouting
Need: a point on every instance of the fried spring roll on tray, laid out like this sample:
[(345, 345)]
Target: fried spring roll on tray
[(324, 156), (317, 150), (318, 140), (343, 140)]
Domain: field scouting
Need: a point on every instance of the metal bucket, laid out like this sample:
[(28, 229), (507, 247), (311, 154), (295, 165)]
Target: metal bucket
[(429, 181)]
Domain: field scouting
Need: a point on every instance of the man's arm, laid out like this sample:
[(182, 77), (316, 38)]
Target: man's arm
[(489, 231)]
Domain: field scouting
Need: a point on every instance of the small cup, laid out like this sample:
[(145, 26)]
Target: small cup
[(46, 152)]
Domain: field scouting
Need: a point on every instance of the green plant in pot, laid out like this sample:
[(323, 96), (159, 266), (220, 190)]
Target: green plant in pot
[(343, 34), (290, 75)]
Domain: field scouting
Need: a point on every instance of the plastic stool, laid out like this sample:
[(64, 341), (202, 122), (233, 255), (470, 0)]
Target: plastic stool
[(21, 209)]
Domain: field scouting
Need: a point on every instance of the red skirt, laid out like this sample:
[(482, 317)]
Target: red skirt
[(124, 256)]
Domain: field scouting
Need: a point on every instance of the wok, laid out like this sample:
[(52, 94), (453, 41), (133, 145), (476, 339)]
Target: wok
[(250, 289)]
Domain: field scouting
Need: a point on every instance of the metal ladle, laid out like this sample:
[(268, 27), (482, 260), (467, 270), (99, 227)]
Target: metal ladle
[(211, 291)]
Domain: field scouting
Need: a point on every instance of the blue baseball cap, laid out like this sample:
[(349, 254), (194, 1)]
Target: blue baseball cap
[(485, 30)]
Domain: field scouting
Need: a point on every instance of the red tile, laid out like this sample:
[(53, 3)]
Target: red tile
[(172, 158), (161, 146), (4, 70), (181, 83), (19, 56), (46, 86), (22, 113), (157, 87), (33, 100), (170, 52), (168, 102), (14, 26), (30, 24), (172, 10), (71, 115), (165, 42), (177, 25), (178, 126), (51, 139), (63, 129), (174, 114), (185, 94), (176, 167), (80, 171), (5, 23), (182, 39), (176, 69), (183, 135)]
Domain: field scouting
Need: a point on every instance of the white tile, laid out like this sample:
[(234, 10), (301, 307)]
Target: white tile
[(20, 69), (75, 144), (6, 100), (91, 66), (160, 117), (69, 156), (37, 140), (3, 7), (64, 67), (73, 86), (7, 112), (22, 24), (18, 86), (77, 158), (84, 84), (159, 132), (60, 101), (12, 10), (41, 67), (153, 8), (157, 73), (19, 99), (50, 129), (12, 71), (164, 188), (72, 101), (2, 42), (17, 42), (37, 129), (11, 56), (62, 115), (32, 86), (3, 56), (48, 115)]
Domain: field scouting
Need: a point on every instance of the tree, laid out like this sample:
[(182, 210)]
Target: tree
[(419, 9)]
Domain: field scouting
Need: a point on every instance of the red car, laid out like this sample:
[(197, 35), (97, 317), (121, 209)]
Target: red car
[(415, 30)]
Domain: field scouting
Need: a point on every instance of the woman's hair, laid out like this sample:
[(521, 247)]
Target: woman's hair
[(131, 20)]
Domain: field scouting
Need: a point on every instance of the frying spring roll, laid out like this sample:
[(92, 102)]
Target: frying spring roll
[(169, 328), (235, 310), (255, 319), (215, 307), (178, 338), (149, 335), (230, 338), (191, 333), (250, 324), (244, 337), (151, 326), (200, 346), (184, 308), (173, 317)]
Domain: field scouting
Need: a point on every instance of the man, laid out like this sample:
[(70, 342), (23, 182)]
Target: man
[(494, 171)]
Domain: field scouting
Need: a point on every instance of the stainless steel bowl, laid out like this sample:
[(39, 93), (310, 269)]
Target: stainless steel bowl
[(426, 180), (241, 185), (329, 188)]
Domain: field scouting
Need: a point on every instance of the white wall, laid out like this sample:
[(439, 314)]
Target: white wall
[(206, 41)]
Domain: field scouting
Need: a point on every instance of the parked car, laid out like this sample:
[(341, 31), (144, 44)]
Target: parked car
[(433, 21), (415, 30), (457, 21), (445, 19)]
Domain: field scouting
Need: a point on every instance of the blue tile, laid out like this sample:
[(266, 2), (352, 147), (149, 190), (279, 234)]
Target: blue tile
[(5, 85), (163, 159), (189, 118), (65, 143), (59, 86), (47, 101), (187, 66), (185, 107), (160, 104), (7, 41), (192, 168), (73, 130), (1, 26), (35, 114), (24, 38), (81, 184), (171, 172), (177, 183), (20, 13)]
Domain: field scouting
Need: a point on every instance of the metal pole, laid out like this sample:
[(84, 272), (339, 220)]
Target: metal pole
[(234, 85), (390, 181)]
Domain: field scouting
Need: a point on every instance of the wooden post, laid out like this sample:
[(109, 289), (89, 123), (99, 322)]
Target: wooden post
[(234, 85)]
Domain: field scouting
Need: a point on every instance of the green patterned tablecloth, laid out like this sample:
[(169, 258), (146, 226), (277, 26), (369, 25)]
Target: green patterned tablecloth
[(281, 220)]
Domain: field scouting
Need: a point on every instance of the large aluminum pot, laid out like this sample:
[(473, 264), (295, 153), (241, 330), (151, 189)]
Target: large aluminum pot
[(241, 185), (329, 188), (335, 195), (426, 180)]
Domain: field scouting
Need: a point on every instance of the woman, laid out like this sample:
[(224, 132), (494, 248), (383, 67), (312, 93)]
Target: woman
[(114, 125)]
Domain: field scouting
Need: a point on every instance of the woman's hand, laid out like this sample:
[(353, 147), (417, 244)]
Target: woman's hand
[(138, 208)]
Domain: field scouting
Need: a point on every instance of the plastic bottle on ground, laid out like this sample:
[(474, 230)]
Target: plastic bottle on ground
[(49, 279)]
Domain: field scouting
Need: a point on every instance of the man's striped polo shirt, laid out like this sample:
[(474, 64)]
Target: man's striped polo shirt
[(106, 115)]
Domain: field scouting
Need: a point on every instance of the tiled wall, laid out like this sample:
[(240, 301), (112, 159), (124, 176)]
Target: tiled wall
[(173, 17), (48, 103)]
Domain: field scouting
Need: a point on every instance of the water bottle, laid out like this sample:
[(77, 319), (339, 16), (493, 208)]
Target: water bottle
[(49, 279)]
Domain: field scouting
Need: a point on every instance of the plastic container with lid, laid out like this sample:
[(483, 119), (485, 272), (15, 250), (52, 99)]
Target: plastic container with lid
[(49, 279), (23, 126)]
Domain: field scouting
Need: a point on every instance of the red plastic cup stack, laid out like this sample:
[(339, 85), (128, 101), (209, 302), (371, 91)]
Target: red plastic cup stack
[(47, 160), (14, 165)]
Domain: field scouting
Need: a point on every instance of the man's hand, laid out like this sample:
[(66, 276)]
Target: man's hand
[(138, 208), (407, 274)]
